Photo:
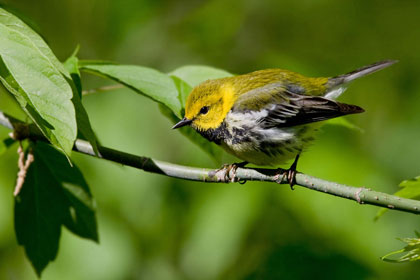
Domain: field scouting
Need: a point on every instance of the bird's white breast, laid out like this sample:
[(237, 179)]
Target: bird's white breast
[(251, 142)]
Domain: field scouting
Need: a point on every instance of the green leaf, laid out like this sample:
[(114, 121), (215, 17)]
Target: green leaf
[(409, 189), (209, 147), (53, 194), (183, 89), (5, 144), (411, 252), (82, 118), (14, 23), (149, 82), (83, 124), (171, 91), (72, 66), (196, 74), (31, 72)]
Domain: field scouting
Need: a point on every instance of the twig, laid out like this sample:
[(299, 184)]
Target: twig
[(100, 89), (361, 195)]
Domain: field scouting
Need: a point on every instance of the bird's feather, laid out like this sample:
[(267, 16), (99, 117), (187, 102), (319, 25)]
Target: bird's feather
[(338, 84), (285, 108)]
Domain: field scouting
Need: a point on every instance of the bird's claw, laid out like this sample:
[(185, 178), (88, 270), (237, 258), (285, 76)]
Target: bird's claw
[(228, 168), (289, 174), (229, 172)]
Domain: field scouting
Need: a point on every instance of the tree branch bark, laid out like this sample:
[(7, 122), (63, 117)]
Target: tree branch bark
[(361, 195)]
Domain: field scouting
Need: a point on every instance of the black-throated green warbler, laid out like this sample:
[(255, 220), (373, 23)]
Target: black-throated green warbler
[(270, 116)]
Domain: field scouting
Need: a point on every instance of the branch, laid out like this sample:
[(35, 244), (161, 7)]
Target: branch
[(361, 195)]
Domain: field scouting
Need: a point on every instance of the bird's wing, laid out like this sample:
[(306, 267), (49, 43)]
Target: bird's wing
[(280, 107)]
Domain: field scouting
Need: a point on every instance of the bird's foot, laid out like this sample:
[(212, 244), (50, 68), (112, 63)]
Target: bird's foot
[(289, 174), (228, 172)]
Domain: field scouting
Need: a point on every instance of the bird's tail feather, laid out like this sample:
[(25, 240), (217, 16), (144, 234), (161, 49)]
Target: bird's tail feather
[(336, 85), (363, 71)]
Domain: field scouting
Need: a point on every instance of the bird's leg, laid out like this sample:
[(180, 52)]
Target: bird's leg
[(228, 168), (290, 173)]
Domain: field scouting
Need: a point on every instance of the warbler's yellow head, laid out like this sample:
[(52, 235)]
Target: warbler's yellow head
[(208, 104)]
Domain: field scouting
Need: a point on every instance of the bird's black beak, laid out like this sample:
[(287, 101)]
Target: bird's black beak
[(182, 123)]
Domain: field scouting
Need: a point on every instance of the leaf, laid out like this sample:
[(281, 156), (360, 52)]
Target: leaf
[(412, 251), (171, 90), (196, 74), (184, 90), (31, 72), (209, 147), (83, 124), (82, 118), (409, 189), (53, 194), (14, 23), (149, 82), (72, 66), (5, 144)]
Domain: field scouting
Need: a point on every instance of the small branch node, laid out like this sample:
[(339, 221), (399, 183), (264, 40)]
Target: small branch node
[(357, 195), (21, 132), (278, 179)]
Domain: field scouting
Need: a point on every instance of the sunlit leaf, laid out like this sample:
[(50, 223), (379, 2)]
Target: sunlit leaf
[(53, 194), (196, 74), (72, 66), (14, 23), (170, 91), (149, 82), (184, 90), (83, 124), (409, 189), (409, 253), (31, 72)]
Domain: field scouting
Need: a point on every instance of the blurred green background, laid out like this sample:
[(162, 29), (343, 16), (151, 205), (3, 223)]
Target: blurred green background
[(153, 227)]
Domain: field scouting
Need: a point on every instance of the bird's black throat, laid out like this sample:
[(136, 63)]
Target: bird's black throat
[(216, 135)]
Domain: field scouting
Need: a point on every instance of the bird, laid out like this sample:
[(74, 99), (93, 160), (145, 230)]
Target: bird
[(270, 116)]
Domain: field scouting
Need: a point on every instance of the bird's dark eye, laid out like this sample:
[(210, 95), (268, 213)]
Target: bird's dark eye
[(204, 110)]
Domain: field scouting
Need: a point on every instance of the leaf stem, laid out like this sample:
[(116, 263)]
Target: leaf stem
[(100, 89), (361, 195)]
